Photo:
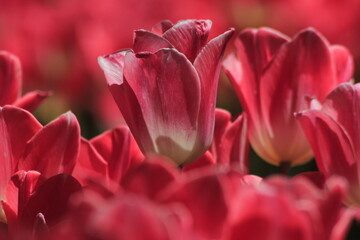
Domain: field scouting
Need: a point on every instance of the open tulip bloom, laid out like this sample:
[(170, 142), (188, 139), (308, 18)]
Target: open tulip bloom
[(166, 87), (274, 76)]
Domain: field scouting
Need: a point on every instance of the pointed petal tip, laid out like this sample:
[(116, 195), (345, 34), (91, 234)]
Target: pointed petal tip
[(112, 65), (311, 33), (265, 31)]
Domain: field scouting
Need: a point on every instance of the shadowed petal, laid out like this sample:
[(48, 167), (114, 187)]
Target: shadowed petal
[(235, 146), (50, 199)]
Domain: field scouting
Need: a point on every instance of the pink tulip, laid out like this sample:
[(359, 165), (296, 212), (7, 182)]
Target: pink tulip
[(273, 77), (166, 87), (11, 84), (334, 134)]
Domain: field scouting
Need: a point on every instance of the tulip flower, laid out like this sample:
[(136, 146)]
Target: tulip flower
[(273, 77), (334, 134), (166, 87), (27, 145), (11, 84)]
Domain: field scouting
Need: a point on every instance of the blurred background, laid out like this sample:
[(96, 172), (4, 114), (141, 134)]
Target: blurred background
[(58, 41)]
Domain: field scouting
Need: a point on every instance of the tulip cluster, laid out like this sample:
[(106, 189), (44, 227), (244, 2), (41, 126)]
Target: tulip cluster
[(180, 169)]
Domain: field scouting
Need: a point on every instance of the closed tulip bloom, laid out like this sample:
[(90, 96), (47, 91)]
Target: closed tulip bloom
[(274, 76), (166, 87), (334, 134)]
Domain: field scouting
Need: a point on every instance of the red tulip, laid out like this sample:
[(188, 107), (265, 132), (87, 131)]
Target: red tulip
[(11, 84), (273, 77), (166, 87), (26, 145), (334, 134)]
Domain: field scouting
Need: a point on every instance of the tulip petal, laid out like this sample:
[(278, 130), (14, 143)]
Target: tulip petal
[(189, 36), (255, 49), (23, 184), (344, 63), (125, 98), (90, 163), (145, 41), (113, 65), (121, 219), (302, 67), (162, 27), (203, 195), (343, 105), (10, 78), (235, 146), (17, 126), (330, 143), (40, 229), (205, 160), (317, 178), (50, 199), (275, 215), (11, 216), (170, 108), (207, 64), (141, 180), (55, 148), (119, 149), (222, 122), (31, 100)]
